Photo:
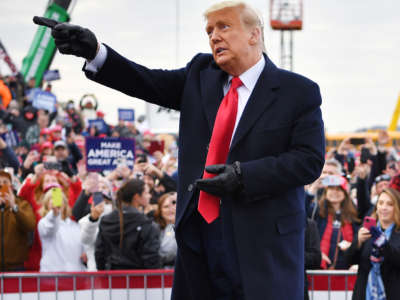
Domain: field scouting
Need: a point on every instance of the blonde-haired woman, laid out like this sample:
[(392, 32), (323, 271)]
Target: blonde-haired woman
[(59, 234), (377, 252)]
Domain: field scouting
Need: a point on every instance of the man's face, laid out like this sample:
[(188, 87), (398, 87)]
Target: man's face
[(60, 153), (231, 42)]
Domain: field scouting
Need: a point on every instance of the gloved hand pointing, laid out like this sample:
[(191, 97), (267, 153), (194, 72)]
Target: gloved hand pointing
[(71, 39)]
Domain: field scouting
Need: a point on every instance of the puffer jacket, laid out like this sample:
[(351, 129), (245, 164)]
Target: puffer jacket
[(140, 245)]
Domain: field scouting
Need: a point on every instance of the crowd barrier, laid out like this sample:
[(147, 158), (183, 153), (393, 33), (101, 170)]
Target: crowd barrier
[(331, 284), (140, 285)]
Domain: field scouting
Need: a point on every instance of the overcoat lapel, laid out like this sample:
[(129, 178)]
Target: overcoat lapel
[(260, 99), (211, 82)]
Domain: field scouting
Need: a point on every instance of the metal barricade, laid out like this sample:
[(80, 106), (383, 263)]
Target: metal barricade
[(331, 284), (135, 285)]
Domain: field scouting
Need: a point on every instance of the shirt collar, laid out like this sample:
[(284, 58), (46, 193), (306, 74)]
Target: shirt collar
[(250, 77)]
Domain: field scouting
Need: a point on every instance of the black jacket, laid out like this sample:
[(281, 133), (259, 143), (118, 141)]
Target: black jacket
[(140, 243), (312, 251), (390, 268)]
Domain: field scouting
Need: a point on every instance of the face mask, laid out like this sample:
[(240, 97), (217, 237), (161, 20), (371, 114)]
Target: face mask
[(107, 209)]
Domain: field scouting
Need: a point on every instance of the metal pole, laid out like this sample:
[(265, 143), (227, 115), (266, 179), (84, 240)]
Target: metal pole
[(177, 22), (291, 50), (282, 50)]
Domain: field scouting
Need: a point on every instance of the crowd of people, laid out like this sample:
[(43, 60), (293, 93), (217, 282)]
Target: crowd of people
[(56, 216)]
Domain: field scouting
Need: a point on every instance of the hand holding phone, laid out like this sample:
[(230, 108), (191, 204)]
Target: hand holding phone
[(97, 198), (369, 222), (56, 197)]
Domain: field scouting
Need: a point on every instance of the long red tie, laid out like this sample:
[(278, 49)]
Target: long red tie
[(219, 147)]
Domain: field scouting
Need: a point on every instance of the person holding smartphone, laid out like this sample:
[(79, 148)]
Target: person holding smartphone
[(101, 204), (18, 220), (377, 250), (59, 234)]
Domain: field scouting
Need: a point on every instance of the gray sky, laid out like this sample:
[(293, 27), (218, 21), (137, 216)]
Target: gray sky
[(350, 48)]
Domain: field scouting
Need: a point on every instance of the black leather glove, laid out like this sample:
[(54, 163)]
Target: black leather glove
[(71, 39), (226, 182)]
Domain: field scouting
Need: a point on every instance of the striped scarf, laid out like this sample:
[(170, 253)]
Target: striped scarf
[(375, 288)]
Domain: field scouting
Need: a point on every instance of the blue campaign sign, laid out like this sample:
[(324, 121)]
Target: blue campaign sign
[(45, 100), (99, 124), (51, 75), (11, 138), (126, 114), (108, 153)]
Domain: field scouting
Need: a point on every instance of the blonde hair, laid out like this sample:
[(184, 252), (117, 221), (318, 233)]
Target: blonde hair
[(249, 16), (45, 200)]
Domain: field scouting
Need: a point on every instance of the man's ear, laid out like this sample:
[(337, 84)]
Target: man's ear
[(255, 36)]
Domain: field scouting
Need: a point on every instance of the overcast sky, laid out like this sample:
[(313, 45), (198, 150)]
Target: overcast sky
[(350, 48)]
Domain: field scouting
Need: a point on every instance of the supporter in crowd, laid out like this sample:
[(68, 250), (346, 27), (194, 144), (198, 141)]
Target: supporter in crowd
[(165, 218), (94, 182), (89, 225), (62, 249), (8, 157), (127, 239), (68, 155), (5, 94), (18, 222), (74, 117), (377, 251), (337, 222), (122, 129), (33, 132), (33, 189)]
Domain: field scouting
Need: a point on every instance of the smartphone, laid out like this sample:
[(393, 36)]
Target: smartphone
[(56, 197), (97, 198), (369, 222), (142, 158), (331, 180), (365, 155), (357, 141), (50, 165)]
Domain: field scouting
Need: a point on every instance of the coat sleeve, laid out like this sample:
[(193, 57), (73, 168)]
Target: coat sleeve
[(162, 87), (88, 230), (149, 252), (48, 225), (391, 252), (301, 164), (99, 252), (312, 247), (25, 216)]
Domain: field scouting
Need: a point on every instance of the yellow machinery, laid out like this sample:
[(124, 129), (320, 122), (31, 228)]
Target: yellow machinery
[(395, 117)]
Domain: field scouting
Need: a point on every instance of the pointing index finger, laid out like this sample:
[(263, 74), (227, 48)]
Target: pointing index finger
[(44, 21)]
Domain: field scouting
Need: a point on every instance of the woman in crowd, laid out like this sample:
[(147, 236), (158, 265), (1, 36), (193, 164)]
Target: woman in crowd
[(127, 239), (377, 252), (89, 225), (165, 218), (33, 189), (337, 222), (60, 235)]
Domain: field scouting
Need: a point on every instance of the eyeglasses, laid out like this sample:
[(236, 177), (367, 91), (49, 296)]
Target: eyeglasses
[(383, 177)]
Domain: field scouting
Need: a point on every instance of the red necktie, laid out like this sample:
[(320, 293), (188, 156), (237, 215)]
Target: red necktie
[(219, 147)]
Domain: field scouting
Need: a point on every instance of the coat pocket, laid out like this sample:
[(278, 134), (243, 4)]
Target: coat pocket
[(290, 223)]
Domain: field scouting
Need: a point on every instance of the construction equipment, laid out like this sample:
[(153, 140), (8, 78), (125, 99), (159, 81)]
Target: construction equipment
[(42, 49), (395, 117)]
